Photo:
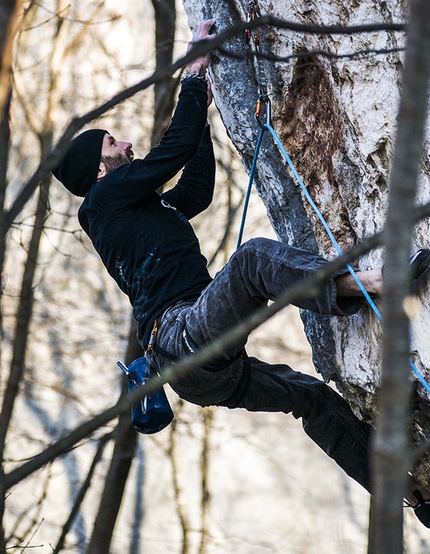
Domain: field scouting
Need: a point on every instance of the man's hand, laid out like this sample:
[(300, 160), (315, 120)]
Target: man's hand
[(202, 33)]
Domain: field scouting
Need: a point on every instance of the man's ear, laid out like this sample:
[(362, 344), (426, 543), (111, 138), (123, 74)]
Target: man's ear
[(102, 171)]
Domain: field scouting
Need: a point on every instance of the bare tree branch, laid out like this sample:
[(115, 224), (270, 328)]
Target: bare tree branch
[(208, 415), (199, 49), (306, 53), (82, 492), (171, 373), (178, 493), (117, 475), (9, 25)]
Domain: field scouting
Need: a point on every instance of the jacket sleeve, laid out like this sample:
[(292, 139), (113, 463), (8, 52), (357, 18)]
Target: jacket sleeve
[(132, 183), (194, 191)]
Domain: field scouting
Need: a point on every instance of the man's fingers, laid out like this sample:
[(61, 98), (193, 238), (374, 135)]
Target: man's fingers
[(203, 29), (202, 33)]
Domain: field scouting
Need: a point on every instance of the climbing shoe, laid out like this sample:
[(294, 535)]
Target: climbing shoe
[(419, 264), (153, 412), (422, 509)]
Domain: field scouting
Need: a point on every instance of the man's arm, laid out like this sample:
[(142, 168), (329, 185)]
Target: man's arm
[(134, 182), (200, 65), (181, 141), (194, 191)]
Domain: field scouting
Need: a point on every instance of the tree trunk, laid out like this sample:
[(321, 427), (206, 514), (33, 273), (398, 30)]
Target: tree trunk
[(4, 157), (336, 118), (119, 469), (9, 25)]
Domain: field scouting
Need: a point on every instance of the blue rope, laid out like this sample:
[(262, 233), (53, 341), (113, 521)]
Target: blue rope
[(336, 245), (420, 376), (248, 191), (324, 223)]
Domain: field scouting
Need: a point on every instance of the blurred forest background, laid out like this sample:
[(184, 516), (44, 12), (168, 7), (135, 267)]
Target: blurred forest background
[(215, 481)]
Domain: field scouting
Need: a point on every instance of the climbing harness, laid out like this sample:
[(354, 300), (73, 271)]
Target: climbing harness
[(253, 14)]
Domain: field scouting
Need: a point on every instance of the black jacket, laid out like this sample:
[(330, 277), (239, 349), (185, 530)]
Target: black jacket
[(144, 239)]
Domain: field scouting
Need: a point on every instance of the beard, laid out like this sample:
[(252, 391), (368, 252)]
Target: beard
[(117, 160)]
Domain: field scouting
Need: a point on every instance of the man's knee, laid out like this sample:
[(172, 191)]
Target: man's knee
[(257, 244), (255, 249)]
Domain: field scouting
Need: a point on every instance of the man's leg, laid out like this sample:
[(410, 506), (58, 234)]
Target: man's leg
[(261, 270), (371, 280), (326, 416)]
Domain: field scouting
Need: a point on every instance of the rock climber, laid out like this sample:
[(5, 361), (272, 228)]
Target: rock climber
[(148, 246)]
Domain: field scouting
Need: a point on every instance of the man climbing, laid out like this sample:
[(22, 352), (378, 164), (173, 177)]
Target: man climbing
[(148, 246)]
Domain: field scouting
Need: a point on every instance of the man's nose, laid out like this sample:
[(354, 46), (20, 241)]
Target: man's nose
[(125, 146)]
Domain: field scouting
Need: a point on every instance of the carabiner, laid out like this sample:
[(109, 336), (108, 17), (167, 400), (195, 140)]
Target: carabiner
[(263, 99)]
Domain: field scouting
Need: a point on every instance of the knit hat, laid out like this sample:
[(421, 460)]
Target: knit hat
[(79, 167)]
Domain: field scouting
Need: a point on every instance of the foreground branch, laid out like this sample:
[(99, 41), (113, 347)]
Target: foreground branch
[(390, 449), (307, 53), (304, 289)]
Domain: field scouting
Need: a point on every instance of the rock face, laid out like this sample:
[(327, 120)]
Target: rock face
[(336, 118)]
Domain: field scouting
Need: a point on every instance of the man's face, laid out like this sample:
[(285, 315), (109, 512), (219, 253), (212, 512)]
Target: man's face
[(115, 153)]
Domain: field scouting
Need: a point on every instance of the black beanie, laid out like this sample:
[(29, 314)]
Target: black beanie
[(79, 167)]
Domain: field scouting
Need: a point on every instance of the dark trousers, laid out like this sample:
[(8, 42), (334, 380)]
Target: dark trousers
[(259, 271)]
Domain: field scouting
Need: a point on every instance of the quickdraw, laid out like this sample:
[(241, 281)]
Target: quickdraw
[(254, 34), (253, 12)]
